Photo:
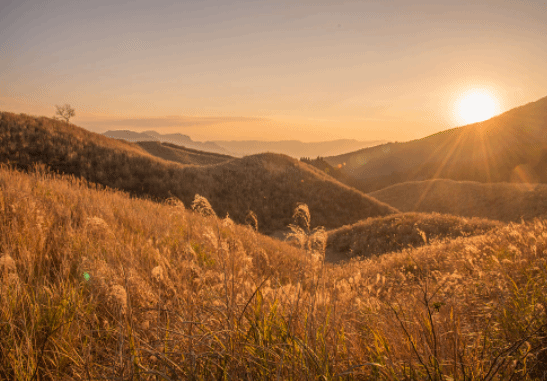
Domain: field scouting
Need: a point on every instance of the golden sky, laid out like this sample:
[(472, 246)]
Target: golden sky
[(270, 70)]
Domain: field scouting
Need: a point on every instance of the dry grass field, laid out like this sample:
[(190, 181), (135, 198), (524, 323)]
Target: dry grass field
[(271, 185), (98, 285), (380, 235), (497, 201)]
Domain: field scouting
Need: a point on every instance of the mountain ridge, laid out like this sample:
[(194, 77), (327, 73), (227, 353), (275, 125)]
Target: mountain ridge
[(294, 148), (511, 146), (291, 147)]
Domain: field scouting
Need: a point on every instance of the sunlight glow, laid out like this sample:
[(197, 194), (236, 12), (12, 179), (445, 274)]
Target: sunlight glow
[(477, 105)]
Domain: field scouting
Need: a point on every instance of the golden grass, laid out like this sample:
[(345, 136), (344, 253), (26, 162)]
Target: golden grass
[(380, 235), (270, 185), (95, 284), (498, 201), (145, 262)]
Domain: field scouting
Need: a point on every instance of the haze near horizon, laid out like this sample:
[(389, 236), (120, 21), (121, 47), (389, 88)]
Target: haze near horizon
[(237, 70)]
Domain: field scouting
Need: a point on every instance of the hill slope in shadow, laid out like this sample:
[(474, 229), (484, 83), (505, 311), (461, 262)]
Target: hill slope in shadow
[(183, 155), (498, 201), (380, 235), (510, 147), (271, 185)]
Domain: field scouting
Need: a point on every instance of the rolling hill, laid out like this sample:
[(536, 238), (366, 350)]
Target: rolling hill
[(380, 235), (271, 185), (511, 147), (498, 201), (183, 155)]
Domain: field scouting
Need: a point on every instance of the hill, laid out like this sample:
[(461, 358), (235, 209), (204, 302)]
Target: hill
[(324, 166), (498, 201), (176, 139), (380, 235), (131, 136), (96, 284), (172, 152), (511, 147), (270, 185)]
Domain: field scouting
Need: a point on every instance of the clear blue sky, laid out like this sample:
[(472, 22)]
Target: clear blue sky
[(312, 70)]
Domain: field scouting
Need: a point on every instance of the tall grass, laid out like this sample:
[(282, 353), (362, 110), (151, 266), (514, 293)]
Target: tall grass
[(97, 285)]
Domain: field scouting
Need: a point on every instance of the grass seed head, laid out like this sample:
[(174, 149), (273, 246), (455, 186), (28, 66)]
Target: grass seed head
[(7, 265), (302, 216), (117, 297), (202, 206), (97, 222), (157, 273)]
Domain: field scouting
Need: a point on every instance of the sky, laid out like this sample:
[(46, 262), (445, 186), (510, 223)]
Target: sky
[(270, 70)]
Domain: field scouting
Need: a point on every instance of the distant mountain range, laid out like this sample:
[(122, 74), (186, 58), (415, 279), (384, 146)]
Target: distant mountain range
[(511, 147), (178, 139), (296, 148), (293, 148)]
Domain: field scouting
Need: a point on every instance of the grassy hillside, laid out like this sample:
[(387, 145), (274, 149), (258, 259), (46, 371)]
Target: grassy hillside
[(510, 147), (498, 201), (380, 235), (183, 155), (270, 185), (95, 284)]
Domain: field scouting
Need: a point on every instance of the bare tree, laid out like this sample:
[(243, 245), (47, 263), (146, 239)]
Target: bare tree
[(64, 112)]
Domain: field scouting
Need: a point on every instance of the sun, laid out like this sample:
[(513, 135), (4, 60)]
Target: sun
[(476, 106)]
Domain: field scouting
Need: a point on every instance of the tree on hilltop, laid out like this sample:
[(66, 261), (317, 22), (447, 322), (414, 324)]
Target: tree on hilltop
[(64, 112)]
